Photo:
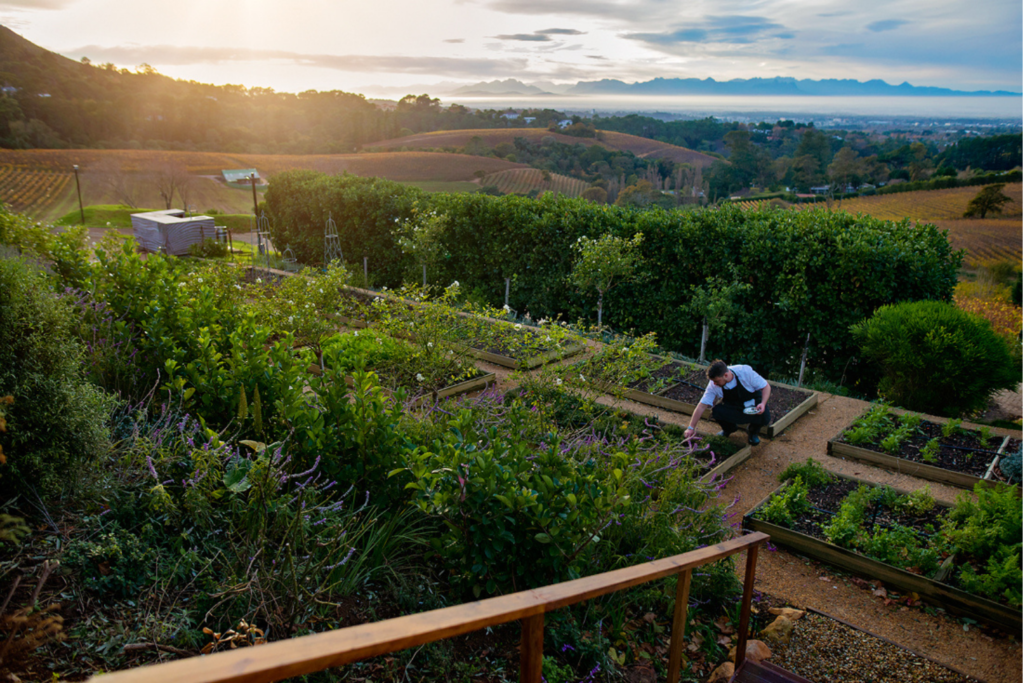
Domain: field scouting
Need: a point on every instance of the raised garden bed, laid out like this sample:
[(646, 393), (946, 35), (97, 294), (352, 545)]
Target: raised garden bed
[(495, 341), (678, 386), (720, 456), (899, 441), (829, 510)]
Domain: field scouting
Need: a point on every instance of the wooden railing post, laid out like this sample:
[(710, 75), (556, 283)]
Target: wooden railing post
[(531, 649), (748, 593), (675, 648)]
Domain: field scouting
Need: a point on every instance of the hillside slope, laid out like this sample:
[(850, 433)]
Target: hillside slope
[(641, 147)]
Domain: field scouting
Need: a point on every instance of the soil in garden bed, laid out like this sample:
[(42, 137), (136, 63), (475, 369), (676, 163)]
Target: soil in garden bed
[(668, 374), (781, 402), (951, 455)]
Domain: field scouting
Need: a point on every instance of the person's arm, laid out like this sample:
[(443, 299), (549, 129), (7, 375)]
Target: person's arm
[(765, 393), (694, 419)]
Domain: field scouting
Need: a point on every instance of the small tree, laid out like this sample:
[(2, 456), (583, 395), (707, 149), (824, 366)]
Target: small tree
[(989, 199), (603, 263), (715, 300), (421, 238)]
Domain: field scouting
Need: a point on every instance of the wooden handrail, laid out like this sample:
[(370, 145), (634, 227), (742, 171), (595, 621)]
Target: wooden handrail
[(308, 654)]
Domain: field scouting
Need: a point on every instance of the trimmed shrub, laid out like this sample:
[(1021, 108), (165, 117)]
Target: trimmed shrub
[(57, 421), (812, 271), (932, 357)]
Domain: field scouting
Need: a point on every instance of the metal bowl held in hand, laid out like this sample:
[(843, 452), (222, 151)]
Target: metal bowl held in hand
[(750, 410)]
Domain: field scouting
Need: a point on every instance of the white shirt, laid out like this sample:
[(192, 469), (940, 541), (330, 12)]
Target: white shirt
[(752, 382)]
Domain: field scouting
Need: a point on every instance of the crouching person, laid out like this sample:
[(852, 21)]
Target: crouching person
[(742, 399)]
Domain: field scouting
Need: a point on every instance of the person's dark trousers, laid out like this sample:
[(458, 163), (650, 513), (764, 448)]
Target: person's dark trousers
[(730, 417)]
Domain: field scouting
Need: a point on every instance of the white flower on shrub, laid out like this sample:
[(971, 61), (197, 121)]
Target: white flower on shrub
[(547, 339), (455, 283), (558, 382), (517, 327), (200, 280), (238, 287), (355, 334), (430, 345), (181, 284), (582, 378), (506, 308), (291, 318), (259, 280), (419, 377)]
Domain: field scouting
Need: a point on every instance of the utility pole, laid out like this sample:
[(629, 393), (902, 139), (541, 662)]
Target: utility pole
[(78, 187), (255, 204)]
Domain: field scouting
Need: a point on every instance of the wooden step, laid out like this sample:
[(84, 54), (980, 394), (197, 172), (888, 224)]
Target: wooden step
[(764, 672)]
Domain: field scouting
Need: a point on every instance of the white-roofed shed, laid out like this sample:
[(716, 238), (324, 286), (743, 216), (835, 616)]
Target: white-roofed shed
[(170, 231)]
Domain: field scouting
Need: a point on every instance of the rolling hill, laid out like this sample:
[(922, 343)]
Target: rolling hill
[(641, 147)]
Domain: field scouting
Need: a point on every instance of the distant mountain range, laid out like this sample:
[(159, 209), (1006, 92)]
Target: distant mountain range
[(709, 86)]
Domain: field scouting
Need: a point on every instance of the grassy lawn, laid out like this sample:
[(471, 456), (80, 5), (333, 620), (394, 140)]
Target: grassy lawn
[(120, 216)]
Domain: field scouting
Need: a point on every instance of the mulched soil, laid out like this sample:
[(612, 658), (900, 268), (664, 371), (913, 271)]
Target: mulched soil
[(510, 345), (780, 403), (668, 375), (951, 455), (822, 649)]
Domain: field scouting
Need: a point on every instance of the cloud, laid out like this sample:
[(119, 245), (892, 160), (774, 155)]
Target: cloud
[(715, 30), (525, 37), (596, 57), (177, 55), (886, 25), (35, 4), (560, 32), (454, 40)]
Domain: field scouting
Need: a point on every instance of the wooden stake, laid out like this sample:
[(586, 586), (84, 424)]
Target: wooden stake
[(748, 593), (531, 649), (803, 361)]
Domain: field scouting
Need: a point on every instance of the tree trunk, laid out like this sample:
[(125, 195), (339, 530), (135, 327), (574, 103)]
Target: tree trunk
[(703, 340)]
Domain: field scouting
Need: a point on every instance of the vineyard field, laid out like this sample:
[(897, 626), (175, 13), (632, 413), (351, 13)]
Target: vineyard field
[(30, 192), (41, 184), (986, 241), (522, 180), (929, 205)]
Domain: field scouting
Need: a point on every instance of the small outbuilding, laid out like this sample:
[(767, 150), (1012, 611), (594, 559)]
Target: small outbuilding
[(171, 231)]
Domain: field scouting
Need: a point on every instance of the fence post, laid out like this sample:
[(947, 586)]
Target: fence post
[(531, 649), (424, 276), (748, 593), (366, 276), (507, 280), (703, 341), (675, 648), (803, 361)]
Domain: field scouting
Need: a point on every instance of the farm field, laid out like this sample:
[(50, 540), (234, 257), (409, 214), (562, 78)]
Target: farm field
[(641, 147), (40, 184), (522, 180), (986, 241), (929, 205)]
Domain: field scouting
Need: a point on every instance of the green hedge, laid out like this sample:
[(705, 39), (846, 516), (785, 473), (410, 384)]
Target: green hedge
[(810, 271)]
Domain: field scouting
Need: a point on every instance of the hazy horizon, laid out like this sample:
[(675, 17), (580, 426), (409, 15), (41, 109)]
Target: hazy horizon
[(321, 45)]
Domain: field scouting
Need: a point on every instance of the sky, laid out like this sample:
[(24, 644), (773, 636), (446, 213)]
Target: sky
[(371, 46)]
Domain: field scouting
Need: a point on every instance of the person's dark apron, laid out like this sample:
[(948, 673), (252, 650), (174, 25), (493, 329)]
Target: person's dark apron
[(738, 395)]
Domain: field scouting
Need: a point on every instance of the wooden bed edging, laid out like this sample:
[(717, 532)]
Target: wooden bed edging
[(659, 401), (308, 654), (952, 599), (729, 464), (922, 470), (481, 382)]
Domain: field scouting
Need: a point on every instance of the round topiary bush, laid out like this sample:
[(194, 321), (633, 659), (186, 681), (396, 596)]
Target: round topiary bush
[(935, 358)]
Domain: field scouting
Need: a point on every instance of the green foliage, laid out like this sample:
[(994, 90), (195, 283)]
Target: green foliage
[(811, 472), (1010, 465), (901, 547), (870, 427), (988, 532), (208, 248), (603, 262), (508, 499), (933, 357), (70, 257), (930, 451), (56, 423), (989, 199), (919, 501), (785, 506), (952, 427), (812, 271), (25, 235), (907, 427), (845, 527)]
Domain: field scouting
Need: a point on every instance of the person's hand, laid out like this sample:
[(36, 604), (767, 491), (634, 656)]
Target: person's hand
[(690, 430), (760, 408)]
